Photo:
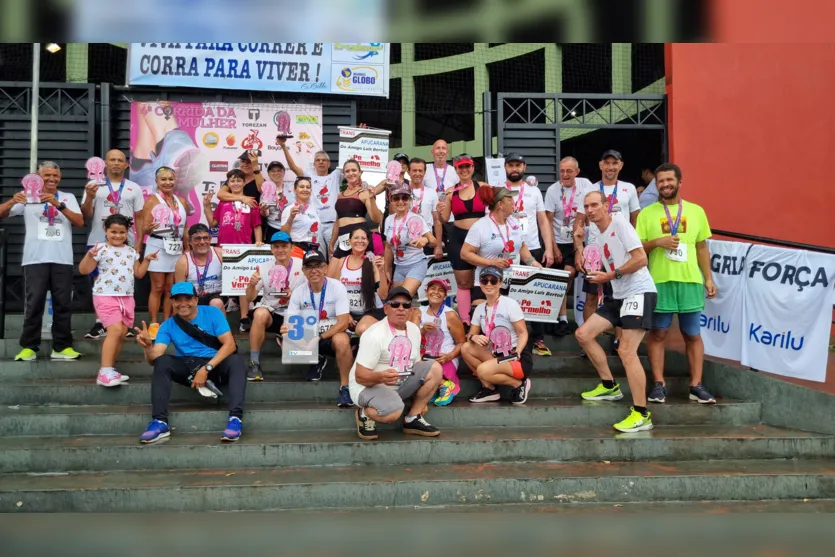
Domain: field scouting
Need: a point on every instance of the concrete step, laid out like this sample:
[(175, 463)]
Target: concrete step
[(272, 389), (419, 486), (272, 417), (455, 446)]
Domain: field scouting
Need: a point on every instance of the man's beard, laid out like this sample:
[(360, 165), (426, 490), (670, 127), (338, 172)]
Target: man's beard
[(514, 176), (669, 196)]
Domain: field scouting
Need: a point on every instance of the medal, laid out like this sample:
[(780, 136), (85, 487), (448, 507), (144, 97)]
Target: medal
[(323, 314), (114, 196), (201, 279), (567, 207), (439, 180), (614, 200), (674, 225)]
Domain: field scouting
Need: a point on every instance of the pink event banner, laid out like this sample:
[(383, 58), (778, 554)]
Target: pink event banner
[(201, 142)]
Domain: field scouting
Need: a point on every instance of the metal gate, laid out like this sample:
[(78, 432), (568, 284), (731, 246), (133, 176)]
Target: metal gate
[(533, 124)]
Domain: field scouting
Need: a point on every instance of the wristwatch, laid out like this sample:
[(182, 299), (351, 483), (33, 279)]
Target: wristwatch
[(209, 367), (62, 206), (618, 274), (256, 171)]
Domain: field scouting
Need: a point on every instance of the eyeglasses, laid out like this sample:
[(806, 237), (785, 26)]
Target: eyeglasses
[(398, 305), (489, 280), (400, 198), (198, 239), (317, 267)]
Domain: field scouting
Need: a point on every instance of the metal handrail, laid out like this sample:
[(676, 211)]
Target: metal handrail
[(4, 236), (774, 241)]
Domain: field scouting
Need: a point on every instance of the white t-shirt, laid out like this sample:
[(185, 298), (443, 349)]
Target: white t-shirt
[(379, 351), (275, 291), (413, 228), (325, 192), (306, 226), (502, 334), (627, 203), (131, 202), (527, 206), (335, 302), (554, 199), (115, 276), (615, 243), (42, 244), (424, 203), (489, 239), (446, 176)]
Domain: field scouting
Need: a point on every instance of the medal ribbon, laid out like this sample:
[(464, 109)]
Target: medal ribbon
[(396, 230), (321, 297), (567, 208), (201, 280), (490, 321), (417, 206), (507, 230), (519, 204), (50, 213), (614, 196), (439, 180), (117, 196), (673, 225)]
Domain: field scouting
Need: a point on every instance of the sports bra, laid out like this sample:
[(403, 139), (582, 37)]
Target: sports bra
[(467, 208), (350, 207)]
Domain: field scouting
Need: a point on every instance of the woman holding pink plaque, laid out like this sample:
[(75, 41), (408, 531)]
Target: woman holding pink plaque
[(407, 234), (165, 219), (301, 219), (497, 348), (355, 205)]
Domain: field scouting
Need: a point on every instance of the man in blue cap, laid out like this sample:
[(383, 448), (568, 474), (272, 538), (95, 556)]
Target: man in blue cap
[(205, 356)]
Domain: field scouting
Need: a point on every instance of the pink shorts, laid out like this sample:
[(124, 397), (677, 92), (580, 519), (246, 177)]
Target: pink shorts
[(114, 309)]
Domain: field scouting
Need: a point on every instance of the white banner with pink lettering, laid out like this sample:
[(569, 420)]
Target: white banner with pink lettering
[(539, 291)]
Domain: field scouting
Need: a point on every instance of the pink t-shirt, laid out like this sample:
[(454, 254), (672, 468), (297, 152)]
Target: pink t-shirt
[(227, 214)]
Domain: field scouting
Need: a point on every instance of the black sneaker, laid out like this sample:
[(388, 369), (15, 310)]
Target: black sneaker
[(519, 395), (96, 332), (254, 372), (245, 325), (419, 426), (562, 329), (130, 334), (316, 370), (366, 427), (486, 395)]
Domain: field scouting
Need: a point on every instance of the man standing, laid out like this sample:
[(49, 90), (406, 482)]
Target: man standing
[(630, 308), (205, 359), (325, 191), (529, 211), (622, 202), (673, 232), (439, 175), (425, 204), (47, 263), (389, 370), (650, 193), (562, 200), (118, 195), (329, 299)]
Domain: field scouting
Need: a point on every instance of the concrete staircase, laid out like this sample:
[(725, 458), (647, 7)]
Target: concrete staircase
[(69, 445)]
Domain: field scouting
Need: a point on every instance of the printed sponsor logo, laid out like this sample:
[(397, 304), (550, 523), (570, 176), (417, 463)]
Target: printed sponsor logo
[(218, 166), (783, 340), (371, 52), (714, 323), (230, 140), (254, 114), (304, 119), (211, 140), (357, 78), (789, 274)]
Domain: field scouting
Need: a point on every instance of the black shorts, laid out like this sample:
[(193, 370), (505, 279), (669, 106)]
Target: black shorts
[(206, 298), (611, 308), (456, 242), (376, 313), (568, 253), (590, 288), (268, 231), (275, 326), (326, 348)]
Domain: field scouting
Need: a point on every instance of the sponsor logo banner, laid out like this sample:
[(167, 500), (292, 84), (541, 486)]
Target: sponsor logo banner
[(239, 263), (539, 291)]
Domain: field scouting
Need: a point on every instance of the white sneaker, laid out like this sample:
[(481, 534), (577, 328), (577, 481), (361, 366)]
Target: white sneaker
[(110, 378)]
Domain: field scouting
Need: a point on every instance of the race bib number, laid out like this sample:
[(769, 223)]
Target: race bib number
[(325, 324), (49, 233), (173, 247), (344, 242), (678, 254), (355, 302), (565, 235), (633, 306), (523, 223)]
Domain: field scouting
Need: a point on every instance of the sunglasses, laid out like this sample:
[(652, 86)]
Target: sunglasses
[(199, 239), (488, 280), (398, 305), (400, 198)]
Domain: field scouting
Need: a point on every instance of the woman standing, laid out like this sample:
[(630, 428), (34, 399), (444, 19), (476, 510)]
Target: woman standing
[(353, 205), (497, 348), (301, 220), (407, 234), (361, 272), (462, 202), (167, 234), (443, 336)]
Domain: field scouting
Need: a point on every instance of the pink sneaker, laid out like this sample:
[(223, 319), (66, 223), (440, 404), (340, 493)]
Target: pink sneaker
[(110, 378)]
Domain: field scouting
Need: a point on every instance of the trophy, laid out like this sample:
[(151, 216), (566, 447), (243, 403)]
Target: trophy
[(393, 170), (32, 187), (95, 170), (282, 121), (162, 215), (532, 181), (278, 280), (269, 193), (594, 260)]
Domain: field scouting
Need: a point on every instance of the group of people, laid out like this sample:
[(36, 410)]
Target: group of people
[(359, 268)]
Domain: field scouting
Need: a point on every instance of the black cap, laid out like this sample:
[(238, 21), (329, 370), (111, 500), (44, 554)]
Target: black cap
[(491, 270), (611, 153), (401, 157), (313, 257), (514, 157), (275, 164), (244, 156), (398, 291)]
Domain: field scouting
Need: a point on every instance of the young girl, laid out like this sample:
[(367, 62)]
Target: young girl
[(118, 264), (237, 223)]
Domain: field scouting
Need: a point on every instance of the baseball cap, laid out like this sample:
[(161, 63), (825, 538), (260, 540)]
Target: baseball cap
[(491, 270), (438, 282), (281, 237), (401, 157), (514, 157), (275, 164), (400, 189), (611, 153), (312, 257), (502, 192), (398, 291), (183, 289), (463, 159)]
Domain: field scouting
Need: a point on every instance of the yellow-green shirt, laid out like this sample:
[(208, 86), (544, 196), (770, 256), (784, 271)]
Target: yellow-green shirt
[(652, 224)]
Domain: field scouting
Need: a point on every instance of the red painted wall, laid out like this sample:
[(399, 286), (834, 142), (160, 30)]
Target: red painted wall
[(752, 127)]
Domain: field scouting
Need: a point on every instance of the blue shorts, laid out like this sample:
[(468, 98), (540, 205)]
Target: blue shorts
[(415, 271), (690, 323)]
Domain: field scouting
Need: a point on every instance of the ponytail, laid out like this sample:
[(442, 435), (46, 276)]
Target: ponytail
[(367, 284)]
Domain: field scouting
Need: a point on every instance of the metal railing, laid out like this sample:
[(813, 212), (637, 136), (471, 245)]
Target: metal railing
[(4, 236)]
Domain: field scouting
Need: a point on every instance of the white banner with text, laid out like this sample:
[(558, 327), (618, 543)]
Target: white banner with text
[(239, 264), (539, 291), (722, 317)]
